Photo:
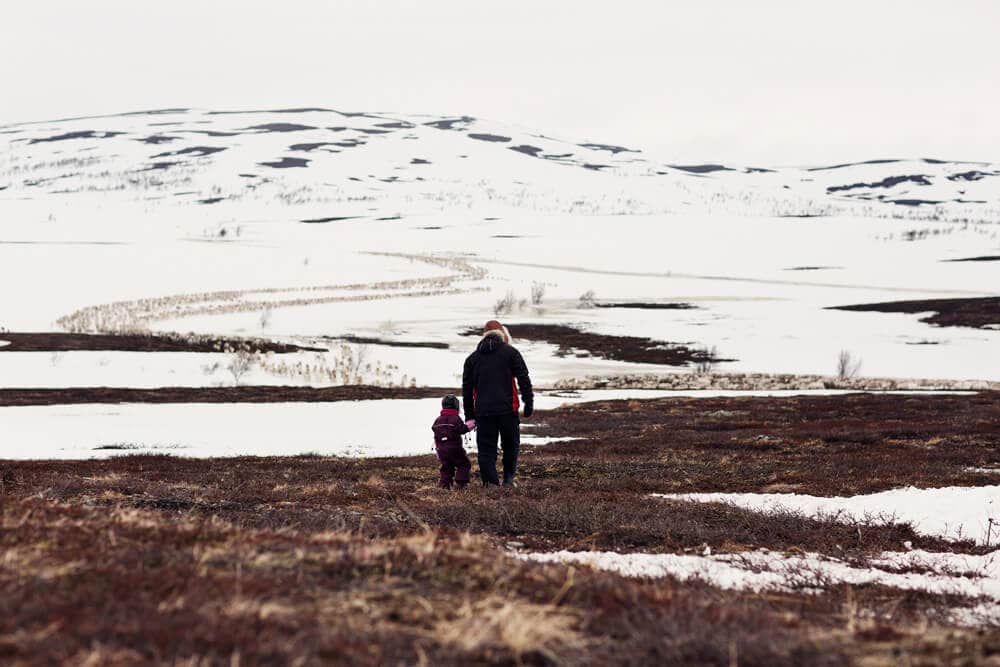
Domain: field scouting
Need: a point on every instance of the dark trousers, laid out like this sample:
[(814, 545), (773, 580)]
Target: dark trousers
[(455, 465), (488, 429)]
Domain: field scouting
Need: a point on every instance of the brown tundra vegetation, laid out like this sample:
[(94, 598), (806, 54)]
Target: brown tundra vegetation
[(324, 560)]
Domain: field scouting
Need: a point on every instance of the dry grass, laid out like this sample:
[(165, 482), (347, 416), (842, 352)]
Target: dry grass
[(140, 342), (236, 394), (129, 586), (316, 560)]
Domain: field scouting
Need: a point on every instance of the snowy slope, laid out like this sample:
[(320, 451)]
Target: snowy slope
[(309, 223), (330, 164)]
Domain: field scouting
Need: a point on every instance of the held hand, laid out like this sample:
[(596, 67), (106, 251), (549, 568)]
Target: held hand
[(471, 424), (529, 409)]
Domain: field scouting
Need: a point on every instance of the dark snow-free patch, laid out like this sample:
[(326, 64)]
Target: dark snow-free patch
[(702, 168), (286, 163), (888, 182), (489, 137), (82, 134)]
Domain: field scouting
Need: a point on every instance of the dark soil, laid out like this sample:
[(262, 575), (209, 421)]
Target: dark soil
[(281, 127), (887, 182), (81, 134), (981, 258), (307, 147), (647, 306), (489, 137), (51, 341), (197, 151), (609, 148), (702, 168), (449, 123), (247, 394), (362, 340), (976, 312), (914, 202), (813, 268), (286, 163), (854, 164), (339, 218), (323, 559), (572, 341)]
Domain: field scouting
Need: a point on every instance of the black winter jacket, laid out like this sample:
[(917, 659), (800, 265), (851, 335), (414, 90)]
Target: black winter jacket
[(488, 379)]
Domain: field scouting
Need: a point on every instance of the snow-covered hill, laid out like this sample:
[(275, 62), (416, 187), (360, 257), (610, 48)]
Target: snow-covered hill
[(314, 225), (382, 238), (315, 165)]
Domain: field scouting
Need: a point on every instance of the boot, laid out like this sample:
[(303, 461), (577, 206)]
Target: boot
[(508, 480)]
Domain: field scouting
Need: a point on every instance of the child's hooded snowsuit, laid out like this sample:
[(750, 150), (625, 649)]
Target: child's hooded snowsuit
[(455, 465)]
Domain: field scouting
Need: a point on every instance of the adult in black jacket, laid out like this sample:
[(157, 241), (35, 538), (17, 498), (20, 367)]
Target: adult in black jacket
[(490, 380)]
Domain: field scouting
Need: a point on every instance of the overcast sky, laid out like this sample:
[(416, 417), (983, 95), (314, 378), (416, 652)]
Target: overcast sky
[(775, 82)]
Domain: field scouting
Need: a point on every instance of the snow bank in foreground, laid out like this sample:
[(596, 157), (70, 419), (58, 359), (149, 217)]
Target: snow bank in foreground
[(946, 573), (952, 513), (758, 571)]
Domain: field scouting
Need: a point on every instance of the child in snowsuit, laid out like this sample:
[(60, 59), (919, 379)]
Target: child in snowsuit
[(448, 431)]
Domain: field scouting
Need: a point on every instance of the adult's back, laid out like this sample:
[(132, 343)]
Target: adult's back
[(491, 378)]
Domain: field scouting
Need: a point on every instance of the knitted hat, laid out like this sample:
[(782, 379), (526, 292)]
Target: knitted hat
[(450, 402)]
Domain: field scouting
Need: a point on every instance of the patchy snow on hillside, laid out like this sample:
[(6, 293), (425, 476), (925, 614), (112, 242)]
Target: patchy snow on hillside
[(317, 224)]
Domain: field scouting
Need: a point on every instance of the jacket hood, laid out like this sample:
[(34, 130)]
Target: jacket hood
[(492, 340)]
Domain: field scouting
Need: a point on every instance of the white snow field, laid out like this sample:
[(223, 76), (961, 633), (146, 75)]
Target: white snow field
[(299, 224), (969, 576), (390, 427), (951, 513), (393, 427)]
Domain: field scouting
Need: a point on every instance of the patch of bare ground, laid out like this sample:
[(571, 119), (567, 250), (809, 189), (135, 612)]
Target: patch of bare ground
[(364, 340), (323, 559), (980, 258), (183, 588), (822, 445), (70, 342), (572, 341), (238, 394), (977, 313), (84, 582), (646, 305)]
